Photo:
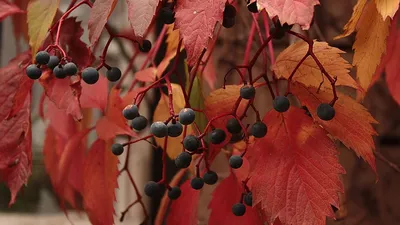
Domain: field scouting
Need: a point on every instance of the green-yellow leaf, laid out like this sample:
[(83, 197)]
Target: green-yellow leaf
[(40, 17)]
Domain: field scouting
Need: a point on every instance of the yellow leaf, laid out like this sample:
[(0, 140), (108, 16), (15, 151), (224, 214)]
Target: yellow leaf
[(351, 26), (40, 18), (309, 73), (161, 113), (172, 39), (387, 7), (370, 44)]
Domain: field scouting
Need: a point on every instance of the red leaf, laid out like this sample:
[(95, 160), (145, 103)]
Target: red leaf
[(95, 95), (99, 183), (140, 14), (16, 162), (393, 69), (183, 211), (196, 20), (64, 94), (146, 75), (62, 123), (19, 22), (21, 94), (354, 131), (114, 122), (7, 9), (10, 78), (228, 193), (99, 15), (297, 174)]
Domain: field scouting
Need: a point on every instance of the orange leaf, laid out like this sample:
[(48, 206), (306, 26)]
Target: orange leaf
[(40, 17), (172, 40), (297, 173), (351, 25), (146, 75), (387, 7), (99, 183), (161, 113), (370, 44), (113, 123), (351, 124), (309, 73)]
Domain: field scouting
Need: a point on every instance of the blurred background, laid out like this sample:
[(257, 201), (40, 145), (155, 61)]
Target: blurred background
[(367, 201)]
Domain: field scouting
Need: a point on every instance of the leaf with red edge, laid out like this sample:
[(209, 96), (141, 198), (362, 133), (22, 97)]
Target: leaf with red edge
[(64, 94), (290, 11), (196, 20), (228, 193), (146, 75), (393, 69), (99, 15), (353, 131), (16, 150), (21, 94), (8, 9), (297, 174), (113, 123), (99, 183), (183, 211), (140, 14), (10, 77), (95, 95)]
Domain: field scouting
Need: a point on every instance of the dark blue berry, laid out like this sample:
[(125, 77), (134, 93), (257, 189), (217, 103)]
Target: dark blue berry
[(197, 183), (235, 161), (259, 129), (113, 74), (183, 160), (233, 126), (33, 72), (70, 69), (42, 57), (217, 136), (159, 129), (145, 47), (130, 112), (210, 177), (139, 123), (175, 129), (117, 149), (325, 112), (238, 209), (152, 188), (174, 193), (281, 104), (53, 62), (58, 72), (186, 116), (191, 143), (90, 75), (247, 92)]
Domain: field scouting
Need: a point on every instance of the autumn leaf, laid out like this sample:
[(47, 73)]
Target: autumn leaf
[(351, 25), (393, 69), (24, 89), (297, 174), (196, 20), (369, 46), (354, 132), (40, 17), (197, 101), (64, 94), (8, 9), (146, 75), (113, 123), (290, 11), (62, 123), (183, 211), (228, 193), (387, 7), (20, 27), (95, 95), (99, 15), (140, 14), (161, 113), (16, 150), (172, 39), (99, 183), (10, 77), (309, 73)]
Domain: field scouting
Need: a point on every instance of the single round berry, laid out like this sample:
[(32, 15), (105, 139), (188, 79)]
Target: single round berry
[(117, 149), (175, 129), (259, 129), (59, 72), (197, 183), (248, 199), (70, 69), (130, 112), (210, 177), (191, 143), (145, 47), (33, 72), (90, 75), (174, 193), (217, 136), (159, 129), (281, 104), (139, 123), (325, 112), (247, 92), (239, 209), (53, 62), (151, 189), (229, 11), (42, 57), (167, 15), (113, 74), (233, 126), (235, 161), (183, 160), (186, 116), (252, 7), (228, 22)]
